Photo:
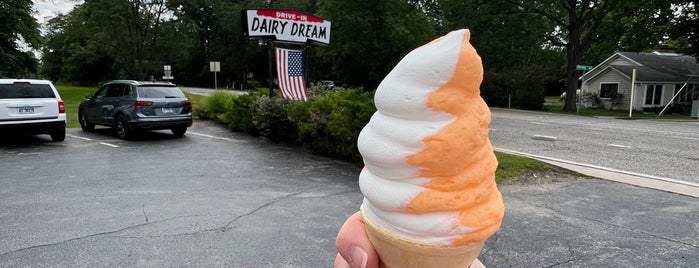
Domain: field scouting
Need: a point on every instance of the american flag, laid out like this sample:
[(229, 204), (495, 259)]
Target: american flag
[(290, 74)]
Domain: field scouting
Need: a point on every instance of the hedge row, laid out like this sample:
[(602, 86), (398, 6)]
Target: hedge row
[(328, 123)]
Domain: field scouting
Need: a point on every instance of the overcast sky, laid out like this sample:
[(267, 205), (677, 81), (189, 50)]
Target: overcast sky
[(46, 9)]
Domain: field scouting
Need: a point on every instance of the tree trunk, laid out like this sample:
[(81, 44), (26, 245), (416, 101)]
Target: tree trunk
[(573, 52)]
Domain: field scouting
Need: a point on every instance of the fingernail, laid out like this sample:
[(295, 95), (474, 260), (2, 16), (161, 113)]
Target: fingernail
[(358, 257)]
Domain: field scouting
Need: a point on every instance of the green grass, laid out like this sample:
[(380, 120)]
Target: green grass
[(512, 167), (72, 96), (198, 101), (634, 115)]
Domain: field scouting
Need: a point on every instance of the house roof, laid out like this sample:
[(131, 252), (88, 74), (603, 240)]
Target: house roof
[(654, 66)]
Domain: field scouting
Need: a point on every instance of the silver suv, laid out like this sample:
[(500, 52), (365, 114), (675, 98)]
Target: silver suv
[(31, 107), (130, 106)]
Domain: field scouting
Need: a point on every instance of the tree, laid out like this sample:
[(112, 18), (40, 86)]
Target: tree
[(215, 33), (130, 31), (369, 37), (515, 57), (686, 32), (580, 24), (18, 28), (72, 53)]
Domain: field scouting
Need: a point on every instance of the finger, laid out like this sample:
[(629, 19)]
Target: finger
[(341, 262), (353, 244)]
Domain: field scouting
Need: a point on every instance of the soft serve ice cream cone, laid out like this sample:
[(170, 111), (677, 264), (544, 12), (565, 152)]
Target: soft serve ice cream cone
[(429, 176)]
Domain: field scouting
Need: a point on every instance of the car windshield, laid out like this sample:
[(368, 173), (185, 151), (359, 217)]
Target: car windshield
[(25, 91), (159, 92)]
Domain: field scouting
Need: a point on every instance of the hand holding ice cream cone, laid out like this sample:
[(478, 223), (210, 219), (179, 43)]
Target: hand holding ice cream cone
[(355, 249), (429, 176)]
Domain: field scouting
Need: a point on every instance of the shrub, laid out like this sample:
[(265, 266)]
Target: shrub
[(269, 117), (238, 115), (216, 104), (331, 124), (615, 100), (530, 98), (591, 100), (493, 89)]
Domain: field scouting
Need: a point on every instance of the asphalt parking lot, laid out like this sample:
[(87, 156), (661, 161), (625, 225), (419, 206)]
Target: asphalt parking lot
[(215, 198)]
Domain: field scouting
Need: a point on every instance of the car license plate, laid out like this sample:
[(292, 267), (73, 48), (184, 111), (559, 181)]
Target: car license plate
[(26, 110), (167, 110)]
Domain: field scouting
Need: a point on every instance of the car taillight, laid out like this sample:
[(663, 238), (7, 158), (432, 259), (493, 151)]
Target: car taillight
[(61, 107), (187, 103), (142, 104)]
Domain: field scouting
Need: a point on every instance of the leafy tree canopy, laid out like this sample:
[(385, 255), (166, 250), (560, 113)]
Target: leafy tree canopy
[(17, 29)]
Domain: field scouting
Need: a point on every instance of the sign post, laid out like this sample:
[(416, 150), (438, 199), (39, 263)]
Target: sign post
[(583, 68), (167, 71), (215, 66)]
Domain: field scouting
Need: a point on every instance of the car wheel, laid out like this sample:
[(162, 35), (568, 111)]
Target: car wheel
[(84, 124), (178, 131), (123, 129), (58, 134)]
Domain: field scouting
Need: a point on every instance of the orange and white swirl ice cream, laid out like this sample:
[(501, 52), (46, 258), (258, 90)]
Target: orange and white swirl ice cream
[(429, 173)]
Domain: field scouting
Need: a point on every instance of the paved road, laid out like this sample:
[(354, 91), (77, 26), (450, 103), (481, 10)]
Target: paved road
[(661, 148), (215, 198)]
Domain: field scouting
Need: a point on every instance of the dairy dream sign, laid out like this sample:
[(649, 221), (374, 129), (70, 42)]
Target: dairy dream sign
[(286, 26)]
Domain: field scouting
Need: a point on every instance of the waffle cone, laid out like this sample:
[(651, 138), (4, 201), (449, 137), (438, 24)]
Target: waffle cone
[(396, 252)]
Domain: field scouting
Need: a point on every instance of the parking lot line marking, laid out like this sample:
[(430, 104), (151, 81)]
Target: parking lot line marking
[(211, 136), (201, 134), (541, 123), (618, 145), (78, 137), (109, 144)]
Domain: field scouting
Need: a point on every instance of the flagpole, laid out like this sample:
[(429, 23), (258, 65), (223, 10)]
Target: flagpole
[(305, 65)]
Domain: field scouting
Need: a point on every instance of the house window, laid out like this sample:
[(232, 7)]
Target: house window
[(653, 94), (608, 90)]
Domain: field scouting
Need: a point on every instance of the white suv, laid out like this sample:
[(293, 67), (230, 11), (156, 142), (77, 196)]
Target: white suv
[(31, 107)]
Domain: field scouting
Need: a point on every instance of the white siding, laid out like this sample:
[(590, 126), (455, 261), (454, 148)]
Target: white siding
[(611, 76)]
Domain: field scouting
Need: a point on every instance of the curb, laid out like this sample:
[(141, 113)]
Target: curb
[(642, 180)]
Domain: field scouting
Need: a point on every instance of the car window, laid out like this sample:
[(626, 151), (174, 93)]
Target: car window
[(115, 90), (127, 90), (102, 91), (25, 91), (159, 92)]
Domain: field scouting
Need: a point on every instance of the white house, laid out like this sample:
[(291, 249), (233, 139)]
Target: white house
[(659, 77)]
